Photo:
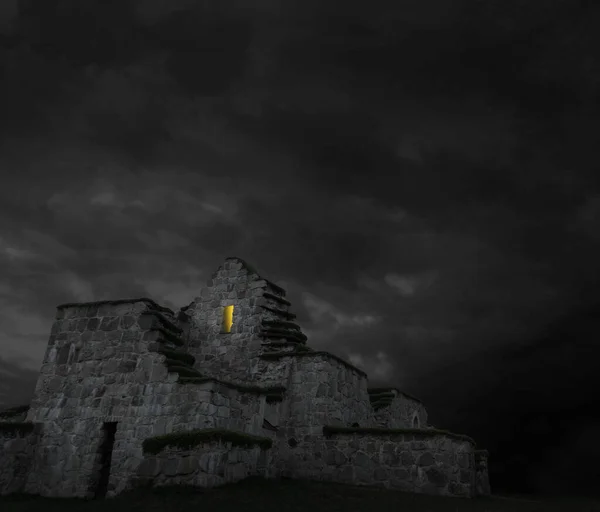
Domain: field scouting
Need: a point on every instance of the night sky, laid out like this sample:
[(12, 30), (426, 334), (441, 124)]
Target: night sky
[(419, 175)]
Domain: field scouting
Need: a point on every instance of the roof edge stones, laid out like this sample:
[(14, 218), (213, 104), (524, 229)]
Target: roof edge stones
[(251, 270), (153, 303)]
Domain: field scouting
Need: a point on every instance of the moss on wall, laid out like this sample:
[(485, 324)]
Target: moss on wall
[(115, 302), (178, 356), (187, 440), (271, 390), (174, 366), (330, 430), (311, 353)]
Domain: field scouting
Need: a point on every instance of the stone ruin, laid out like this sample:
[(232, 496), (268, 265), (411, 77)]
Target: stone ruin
[(131, 394)]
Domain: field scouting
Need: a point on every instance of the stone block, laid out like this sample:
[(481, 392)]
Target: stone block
[(457, 489), (407, 458), (99, 336), (223, 412), (436, 476), (109, 323), (425, 459), (127, 322), (380, 474), (186, 466), (335, 457), (362, 459), (170, 467), (82, 324), (149, 467), (463, 460)]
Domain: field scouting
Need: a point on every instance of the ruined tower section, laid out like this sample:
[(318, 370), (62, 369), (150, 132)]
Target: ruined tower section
[(237, 317)]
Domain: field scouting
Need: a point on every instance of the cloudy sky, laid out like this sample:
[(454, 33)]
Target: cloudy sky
[(421, 177)]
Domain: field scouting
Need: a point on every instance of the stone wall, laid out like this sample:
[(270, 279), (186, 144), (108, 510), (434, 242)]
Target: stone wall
[(222, 354), (18, 444), (116, 373), (401, 412), (208, 464), (321, 390), (102, 366), (420, 462)]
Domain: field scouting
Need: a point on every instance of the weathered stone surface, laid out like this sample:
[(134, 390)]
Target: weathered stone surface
[(104, 383), (436, 476), (426, 459)]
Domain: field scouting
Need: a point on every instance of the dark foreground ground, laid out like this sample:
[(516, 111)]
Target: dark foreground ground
[(256, 495)]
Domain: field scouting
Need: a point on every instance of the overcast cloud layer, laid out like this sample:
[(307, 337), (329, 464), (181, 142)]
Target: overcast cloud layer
[(421, 178)]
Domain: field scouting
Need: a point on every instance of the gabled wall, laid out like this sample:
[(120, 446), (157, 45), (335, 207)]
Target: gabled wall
[(218, 354)]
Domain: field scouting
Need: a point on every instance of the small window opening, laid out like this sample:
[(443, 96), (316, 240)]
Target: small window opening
[(415, 421), (227, 319)]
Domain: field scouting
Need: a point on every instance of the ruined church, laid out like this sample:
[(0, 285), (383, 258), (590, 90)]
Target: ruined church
[(133, 394)]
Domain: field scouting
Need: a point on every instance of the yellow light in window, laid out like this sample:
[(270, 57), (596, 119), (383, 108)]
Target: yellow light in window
[(227, 318)]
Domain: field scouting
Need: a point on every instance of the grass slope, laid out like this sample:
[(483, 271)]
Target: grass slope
[(256, 495)]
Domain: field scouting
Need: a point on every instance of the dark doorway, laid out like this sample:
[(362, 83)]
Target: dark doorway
[(105, 455)]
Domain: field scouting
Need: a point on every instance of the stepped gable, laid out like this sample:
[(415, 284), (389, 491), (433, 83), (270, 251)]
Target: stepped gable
[(276, 329)]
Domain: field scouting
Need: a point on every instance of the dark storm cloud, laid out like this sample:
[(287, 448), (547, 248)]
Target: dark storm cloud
[(421, 177), (16, 384)]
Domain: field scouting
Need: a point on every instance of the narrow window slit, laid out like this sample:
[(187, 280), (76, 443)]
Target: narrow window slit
[(227, 319)]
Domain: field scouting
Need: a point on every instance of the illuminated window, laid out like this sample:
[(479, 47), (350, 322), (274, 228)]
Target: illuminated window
[(227, 319)]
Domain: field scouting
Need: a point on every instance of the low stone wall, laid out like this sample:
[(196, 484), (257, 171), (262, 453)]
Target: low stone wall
[(420, 461), (18, 442), (202, 458)]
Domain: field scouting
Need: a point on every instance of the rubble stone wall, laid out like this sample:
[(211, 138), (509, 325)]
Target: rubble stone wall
[(401, 413), (321, 390), (148, 372), (419, 463), (101, 366), (222, 354), (18, 443), (206, 465)]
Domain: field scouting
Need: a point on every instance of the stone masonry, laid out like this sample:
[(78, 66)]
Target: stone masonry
[(131, 393)]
